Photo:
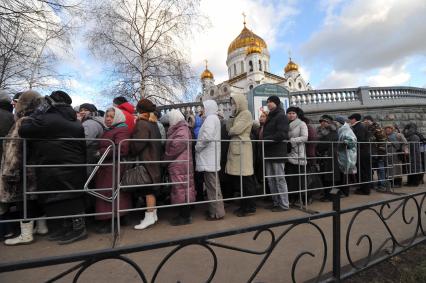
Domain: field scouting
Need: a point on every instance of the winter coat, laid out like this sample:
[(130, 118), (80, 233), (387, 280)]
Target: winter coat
[(298, 135), (177, 148), (197, 125), (162, 132), (93, 129), (363, 137), (240, 148), (276, 128), (378, 138), (327, 147), (397, 147), (104, 175), (311, 145), (128, 110), (410, 133), (347, 150), (148, 150), (7, 121), (50, 124), (207, 148)]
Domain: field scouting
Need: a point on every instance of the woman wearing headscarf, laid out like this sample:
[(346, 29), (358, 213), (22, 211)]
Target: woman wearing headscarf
[(179, 148), (116, 131), (146, 128), (296, 162)]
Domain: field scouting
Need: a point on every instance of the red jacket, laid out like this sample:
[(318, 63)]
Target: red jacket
[(128, 110)]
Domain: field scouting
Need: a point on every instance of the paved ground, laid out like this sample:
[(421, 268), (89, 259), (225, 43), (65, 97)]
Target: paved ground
[(194, 264)]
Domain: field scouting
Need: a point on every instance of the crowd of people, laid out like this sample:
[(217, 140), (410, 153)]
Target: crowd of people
[(181, 158)]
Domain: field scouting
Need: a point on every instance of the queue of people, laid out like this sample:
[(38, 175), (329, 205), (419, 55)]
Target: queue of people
[(225, 159)]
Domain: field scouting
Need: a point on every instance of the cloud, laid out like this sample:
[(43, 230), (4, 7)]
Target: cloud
[(340, 79), (226, 22), (365, 35), (390, 76)]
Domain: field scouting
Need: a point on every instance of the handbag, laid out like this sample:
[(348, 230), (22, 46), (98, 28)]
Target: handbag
[(137, 175)]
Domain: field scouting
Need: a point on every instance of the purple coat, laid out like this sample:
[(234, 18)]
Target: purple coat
[(177, 148)]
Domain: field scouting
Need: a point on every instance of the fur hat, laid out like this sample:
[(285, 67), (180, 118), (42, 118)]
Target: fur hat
[(88, 106), (61, 97), (27, 103), (145, 105), (293, 109), (355, 116)]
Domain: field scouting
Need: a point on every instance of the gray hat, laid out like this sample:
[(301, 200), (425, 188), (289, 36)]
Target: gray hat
[(340, 119)]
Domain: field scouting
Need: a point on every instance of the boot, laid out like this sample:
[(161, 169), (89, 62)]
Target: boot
[(26, 236), (64, 227), (41, 227), (77, 233), (150, 219)]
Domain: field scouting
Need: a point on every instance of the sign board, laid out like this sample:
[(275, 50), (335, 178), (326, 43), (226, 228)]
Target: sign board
[(257, 98)]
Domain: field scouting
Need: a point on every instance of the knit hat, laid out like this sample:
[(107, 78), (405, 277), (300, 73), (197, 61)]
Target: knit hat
[(5, 101), (119, 100), (389, 126), (326, 118), (293, 109), (275, 99), (88, 106), (340, 119), (355, 116), (145, 105), (61, 97), (16, 96)]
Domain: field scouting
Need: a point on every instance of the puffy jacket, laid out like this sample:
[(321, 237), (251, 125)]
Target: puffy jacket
[(298, 135), (207, 149), (128, 110)]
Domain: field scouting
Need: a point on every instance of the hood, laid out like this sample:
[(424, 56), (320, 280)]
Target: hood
[(28, 103), (126, 106), (410, 129), (210, 107), (175, 116), (240, 101), (5, 101)]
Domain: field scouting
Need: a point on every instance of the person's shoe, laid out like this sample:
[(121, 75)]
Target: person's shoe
[(210, 218), (325, 199), (150, 219), (243, 213), (279, 209), (77, 233), (58, 234), (103, 228), (271, 206), (26, 236), (41, 227), (178, 221)]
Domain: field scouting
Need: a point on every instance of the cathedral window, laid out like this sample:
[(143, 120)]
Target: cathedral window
[(264, 65), (251, 66), (212, 92), (242, 67), (260, 65), (251, 86), (235, 69), (289, 84), (300, 85)]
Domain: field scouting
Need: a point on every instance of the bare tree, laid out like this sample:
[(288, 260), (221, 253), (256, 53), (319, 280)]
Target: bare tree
[(144, 42)]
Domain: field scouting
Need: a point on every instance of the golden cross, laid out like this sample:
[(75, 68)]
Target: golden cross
[(205, 61), (244, 16), (289, 54)]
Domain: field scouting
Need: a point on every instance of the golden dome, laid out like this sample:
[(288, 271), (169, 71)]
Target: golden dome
[(291, 66), (247, 39), (206, 74)]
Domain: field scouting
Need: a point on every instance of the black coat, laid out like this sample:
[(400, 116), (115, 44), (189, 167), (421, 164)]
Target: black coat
[(362, 135), (6, 122), (57, 122), (326, 148), (276, 129)]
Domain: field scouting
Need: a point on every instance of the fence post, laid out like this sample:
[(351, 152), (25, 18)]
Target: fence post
[(335, 196)]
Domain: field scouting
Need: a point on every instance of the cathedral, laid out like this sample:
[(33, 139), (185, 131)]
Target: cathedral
[(248, 66)]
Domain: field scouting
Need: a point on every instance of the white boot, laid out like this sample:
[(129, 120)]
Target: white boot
[(26, 236), (155, 215), (41, 227), (150, 219)]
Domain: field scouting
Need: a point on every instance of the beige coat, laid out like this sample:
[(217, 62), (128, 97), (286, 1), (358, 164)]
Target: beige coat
[(298, 135), (240, 149)]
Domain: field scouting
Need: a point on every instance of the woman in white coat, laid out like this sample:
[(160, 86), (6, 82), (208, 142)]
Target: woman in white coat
[(207, 155)]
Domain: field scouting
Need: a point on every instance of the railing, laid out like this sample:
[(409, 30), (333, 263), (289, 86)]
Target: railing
[(414, 164)]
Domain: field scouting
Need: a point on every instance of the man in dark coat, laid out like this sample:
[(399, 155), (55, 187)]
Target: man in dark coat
[(6, 118), (56, 119), (276, 129), (364, 158)]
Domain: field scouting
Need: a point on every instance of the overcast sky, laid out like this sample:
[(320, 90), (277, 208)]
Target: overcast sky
[(336, 43)]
